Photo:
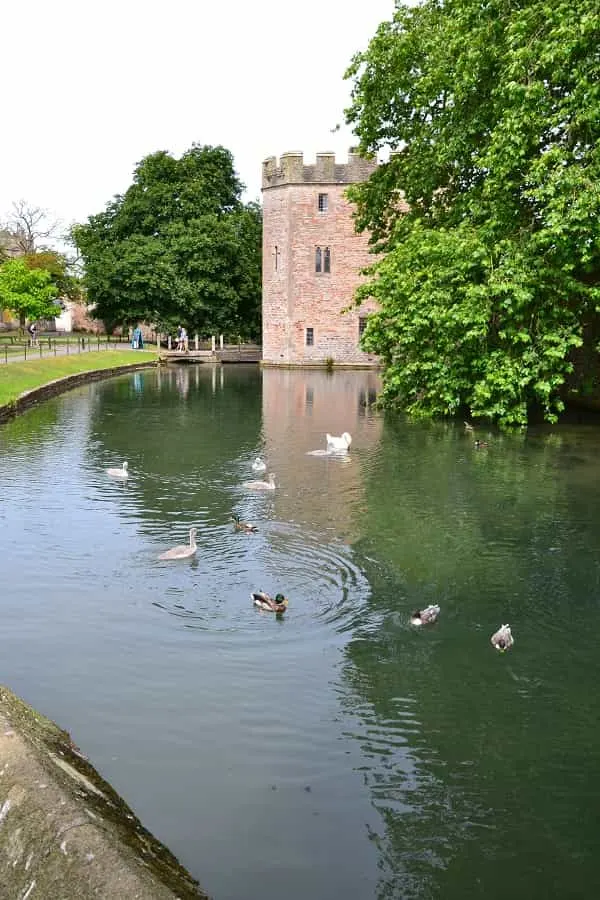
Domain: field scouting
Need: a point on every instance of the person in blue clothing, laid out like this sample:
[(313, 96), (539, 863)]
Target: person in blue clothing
[(137, 341)]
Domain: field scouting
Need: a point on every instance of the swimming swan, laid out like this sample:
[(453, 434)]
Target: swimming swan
[(118, 473), (502, 639), (183, 551), (425, 616), (258, 465), (268, 485), (339, 443)]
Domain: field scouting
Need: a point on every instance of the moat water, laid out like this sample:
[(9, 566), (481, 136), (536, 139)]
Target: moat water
[(336, 751)]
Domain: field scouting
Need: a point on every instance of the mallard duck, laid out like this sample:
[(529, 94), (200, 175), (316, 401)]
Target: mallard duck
[(118, 473), (425, 616), (268, 485), (259, 465), (480, 445), (243, 526), (339, 443), (183, 551), (502, 639), (276, 604)]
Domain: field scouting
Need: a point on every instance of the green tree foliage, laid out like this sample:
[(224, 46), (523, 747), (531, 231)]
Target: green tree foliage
[(178, 246), (58, 267), (491, 279), (27, 292)]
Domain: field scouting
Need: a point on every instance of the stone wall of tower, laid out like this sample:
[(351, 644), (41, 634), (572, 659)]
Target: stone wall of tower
[(295, 296)]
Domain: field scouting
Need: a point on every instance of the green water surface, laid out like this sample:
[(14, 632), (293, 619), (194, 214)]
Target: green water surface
[(335, 751)]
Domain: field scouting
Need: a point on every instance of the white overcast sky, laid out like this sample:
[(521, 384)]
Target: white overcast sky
[(89, 87)]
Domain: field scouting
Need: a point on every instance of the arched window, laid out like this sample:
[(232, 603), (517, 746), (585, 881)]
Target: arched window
[(318, 259), (327, 260)]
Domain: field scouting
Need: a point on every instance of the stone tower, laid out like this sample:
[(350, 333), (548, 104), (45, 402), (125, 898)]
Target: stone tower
[(312, 259)]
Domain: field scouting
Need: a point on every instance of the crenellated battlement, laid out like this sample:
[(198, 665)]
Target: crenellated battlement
[(291, 169)]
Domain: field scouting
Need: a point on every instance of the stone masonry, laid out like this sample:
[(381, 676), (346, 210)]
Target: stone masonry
[(308, 226)]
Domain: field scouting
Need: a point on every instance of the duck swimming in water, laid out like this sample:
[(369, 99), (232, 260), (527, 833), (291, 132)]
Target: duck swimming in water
[(118, 473), (243, 526), (425, 616), (182, 551), (502, 639), (338, 443), (259, 465), (276, 604)]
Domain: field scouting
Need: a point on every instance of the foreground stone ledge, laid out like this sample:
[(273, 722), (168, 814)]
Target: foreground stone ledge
[(65, 834)]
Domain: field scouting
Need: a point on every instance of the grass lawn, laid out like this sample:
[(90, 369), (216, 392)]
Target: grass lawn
[(18, 377)]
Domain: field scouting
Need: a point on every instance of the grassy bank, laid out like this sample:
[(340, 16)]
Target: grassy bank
[(15, 378)]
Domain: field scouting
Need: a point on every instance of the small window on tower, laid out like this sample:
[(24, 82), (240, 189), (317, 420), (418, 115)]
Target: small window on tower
[(323, 202), (310, 337), (276, 257), (327, 260), (318, 259), (362, 324)]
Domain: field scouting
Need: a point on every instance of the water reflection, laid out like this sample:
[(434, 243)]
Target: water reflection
[(338, 751), (299, 409), (462, 751)]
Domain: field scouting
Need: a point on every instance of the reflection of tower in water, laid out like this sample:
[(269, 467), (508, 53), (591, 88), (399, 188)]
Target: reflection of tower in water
[(300, 406)]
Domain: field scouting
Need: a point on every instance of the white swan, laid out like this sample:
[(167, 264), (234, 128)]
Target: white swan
[(183, 551), (118, 473), (268, 485), (339, 443), (258, 465)]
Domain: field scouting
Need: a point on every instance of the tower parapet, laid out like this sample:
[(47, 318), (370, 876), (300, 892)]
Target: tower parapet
[(291, 169)]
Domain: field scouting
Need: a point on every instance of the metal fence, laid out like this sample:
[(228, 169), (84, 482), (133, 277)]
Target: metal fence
[(45, 346)]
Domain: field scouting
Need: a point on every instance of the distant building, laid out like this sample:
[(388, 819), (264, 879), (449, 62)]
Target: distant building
[(312, 258), (9, 245)]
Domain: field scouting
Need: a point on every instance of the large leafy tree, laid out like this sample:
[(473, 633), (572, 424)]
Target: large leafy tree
[(179, 245), (60, 270), (490, 280), (27, 292)]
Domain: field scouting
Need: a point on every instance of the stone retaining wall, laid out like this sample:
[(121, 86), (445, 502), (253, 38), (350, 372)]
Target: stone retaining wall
[(65, 834), (60, 385)]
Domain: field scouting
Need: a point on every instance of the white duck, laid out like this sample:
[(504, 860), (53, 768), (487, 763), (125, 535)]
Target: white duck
[(339, 443), (502, 639), (259, 465), (183, 551), (268, 485), (118, 473)]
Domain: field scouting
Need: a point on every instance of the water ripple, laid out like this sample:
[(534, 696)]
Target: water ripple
[(325, 587)]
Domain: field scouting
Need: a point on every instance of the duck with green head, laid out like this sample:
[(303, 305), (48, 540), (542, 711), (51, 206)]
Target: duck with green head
[(248, 527), (277, 604)]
